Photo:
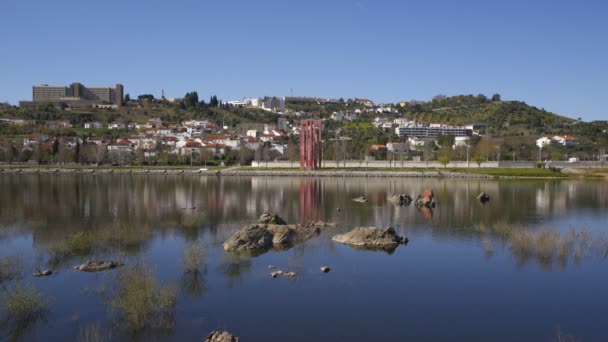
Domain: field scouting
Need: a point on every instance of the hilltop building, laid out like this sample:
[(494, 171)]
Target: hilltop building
[(77, 95)]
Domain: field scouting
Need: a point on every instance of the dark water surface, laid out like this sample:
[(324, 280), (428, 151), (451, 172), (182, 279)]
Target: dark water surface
[(450, 283)]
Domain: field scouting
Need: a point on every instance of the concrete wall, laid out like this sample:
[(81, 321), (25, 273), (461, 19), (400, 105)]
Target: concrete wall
[(377, 164)]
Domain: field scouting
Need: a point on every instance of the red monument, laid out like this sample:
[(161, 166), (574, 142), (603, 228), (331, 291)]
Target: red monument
[(311, 152)]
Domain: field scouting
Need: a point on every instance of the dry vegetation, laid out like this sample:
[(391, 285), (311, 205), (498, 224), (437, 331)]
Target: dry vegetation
[(22, 306), (120, 237), (10, 268), (141, 302), (546, 246)]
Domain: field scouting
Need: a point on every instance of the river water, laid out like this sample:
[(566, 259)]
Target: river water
[(457, 279)]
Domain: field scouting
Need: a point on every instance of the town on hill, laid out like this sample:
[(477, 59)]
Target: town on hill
[(105, 126)]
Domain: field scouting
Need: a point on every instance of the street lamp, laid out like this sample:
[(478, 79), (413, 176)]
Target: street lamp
[(468, 161)]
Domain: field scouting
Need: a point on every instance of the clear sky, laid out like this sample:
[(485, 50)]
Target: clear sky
[(552, 54)]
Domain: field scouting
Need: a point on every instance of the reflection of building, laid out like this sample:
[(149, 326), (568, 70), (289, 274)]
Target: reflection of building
[(310, 200)]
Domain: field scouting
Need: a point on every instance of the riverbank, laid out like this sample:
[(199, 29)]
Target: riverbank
[(484, 173)]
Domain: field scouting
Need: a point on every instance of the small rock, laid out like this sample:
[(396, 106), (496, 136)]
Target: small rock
[(338, 209), (44, 273), (221, 336), (276, 274), (271, 266), (324, 269), (96, 266), (289, 274)]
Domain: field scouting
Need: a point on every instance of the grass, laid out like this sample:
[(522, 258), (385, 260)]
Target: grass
[(93, 333), (10, 268), (141, 302), (192, 257), (102, 239), (22, 305), (545, 246)]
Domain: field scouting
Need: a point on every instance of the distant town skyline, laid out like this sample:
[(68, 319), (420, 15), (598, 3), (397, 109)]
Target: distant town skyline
[(549, 54)]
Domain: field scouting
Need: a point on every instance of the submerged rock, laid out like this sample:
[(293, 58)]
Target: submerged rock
[(284, 274), (269, 218), (361, 199), (325, 269), (39, 273), (400, 199), (371, 238), (97, 266), (221, 336), (258, 238)]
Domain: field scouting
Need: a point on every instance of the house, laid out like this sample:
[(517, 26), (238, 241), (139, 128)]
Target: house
[(71, 142), (460, 141), (216, 138), (96, 140), (93, 125), (33, 139), (252, 143), (365, 102), (215, 148), (565, 140), (123, 146), (116, 125), (191, 147), (58, 124), (169, 141), (415, 141), (337, 116), (398, 147)]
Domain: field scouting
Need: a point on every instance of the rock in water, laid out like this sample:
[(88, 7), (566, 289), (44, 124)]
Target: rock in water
[(259, 238), (324, 269), (96, 266), (401, 199), (39, 273), (249, 238), (269, 218), (371, 238), (221, 336), (483, 198)]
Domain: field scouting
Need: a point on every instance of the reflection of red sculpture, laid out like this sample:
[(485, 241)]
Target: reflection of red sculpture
[(426, 212), (311, 153), (310, 200)]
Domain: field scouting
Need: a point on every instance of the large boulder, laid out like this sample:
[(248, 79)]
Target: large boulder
[(221, 336), (97, 266), (427, 199), (400, 199), (250, 238), (259, 238), (371, 238), (270, 218)]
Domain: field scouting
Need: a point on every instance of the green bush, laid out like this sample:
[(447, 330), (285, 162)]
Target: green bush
[(141, 302)]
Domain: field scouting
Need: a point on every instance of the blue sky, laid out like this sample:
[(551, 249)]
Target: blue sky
[(551, 54)]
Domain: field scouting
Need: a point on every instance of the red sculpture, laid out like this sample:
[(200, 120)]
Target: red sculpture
[(311, 152)]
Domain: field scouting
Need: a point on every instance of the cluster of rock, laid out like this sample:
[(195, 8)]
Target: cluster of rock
[(281, 273), (221, 336), (271, 231), (400, 199), (372, 238)]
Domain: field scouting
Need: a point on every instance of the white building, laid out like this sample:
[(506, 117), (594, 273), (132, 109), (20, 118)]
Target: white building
[(93, 125), (543, 142)]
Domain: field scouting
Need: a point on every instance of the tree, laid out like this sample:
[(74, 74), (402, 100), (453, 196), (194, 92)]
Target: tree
[(100, 153), (443, 160), (191, 99), (479, 160), (127, 97), (146, 97), (496, 98), (213, 101)]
